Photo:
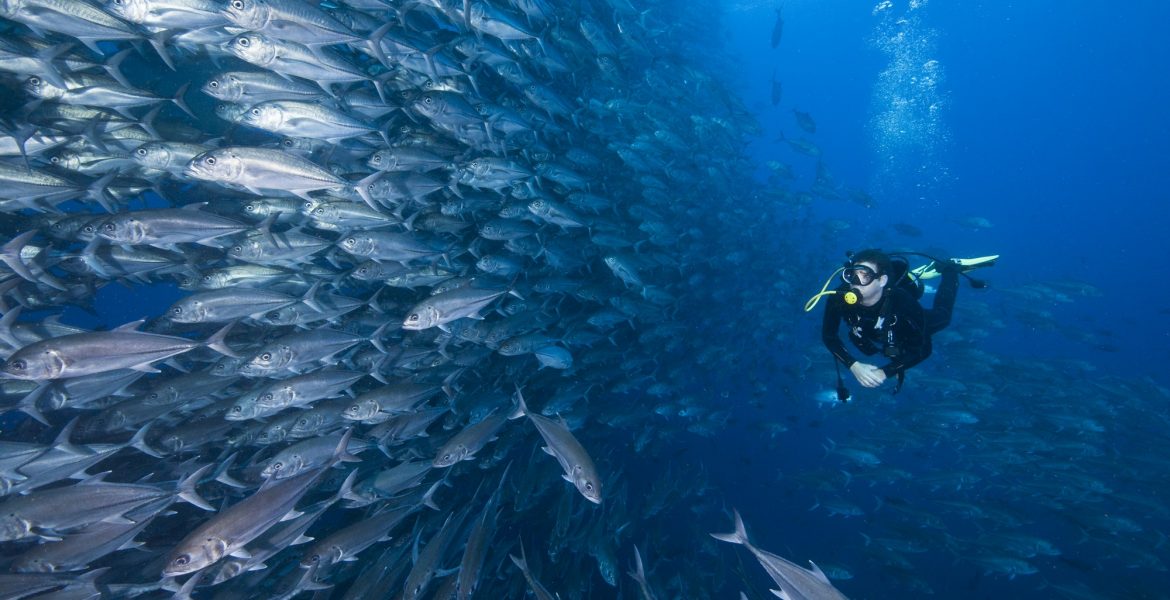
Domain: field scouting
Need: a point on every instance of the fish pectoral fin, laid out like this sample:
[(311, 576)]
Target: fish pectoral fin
[(242, 553), (548, 451), (145, 368)]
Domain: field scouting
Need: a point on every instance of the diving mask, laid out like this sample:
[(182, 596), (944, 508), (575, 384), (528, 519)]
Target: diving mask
[(858, 275)]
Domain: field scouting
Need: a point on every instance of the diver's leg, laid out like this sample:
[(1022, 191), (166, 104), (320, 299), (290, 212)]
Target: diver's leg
[(939, 315)]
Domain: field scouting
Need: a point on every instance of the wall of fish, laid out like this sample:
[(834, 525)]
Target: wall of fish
[(431, 260)]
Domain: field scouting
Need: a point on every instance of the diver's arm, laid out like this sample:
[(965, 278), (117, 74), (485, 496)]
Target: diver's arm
[(829, 327), (910, 333)]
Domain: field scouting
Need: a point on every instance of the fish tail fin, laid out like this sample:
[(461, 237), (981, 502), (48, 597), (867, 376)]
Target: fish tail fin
[(224, 477), (179, 100), (310, 296), (639, 572), (521, 562), (342, 450), (739, 536), (187, 490), (139, 442), (159, 42), (376, 337), (521, 409), (62, 442), (6, 323), (218, 342), (10, 255), (428, 499), (346, 490)]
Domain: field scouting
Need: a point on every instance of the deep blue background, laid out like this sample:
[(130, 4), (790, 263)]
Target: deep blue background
[(1059, 135), (1059, 128)]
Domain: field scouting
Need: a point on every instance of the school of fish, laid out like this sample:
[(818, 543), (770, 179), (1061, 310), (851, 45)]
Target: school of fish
[(414, 245)]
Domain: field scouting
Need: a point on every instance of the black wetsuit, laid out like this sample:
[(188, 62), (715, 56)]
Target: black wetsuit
[(907, 328)]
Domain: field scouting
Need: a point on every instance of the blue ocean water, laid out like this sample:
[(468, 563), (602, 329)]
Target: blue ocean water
[(1051, 124)]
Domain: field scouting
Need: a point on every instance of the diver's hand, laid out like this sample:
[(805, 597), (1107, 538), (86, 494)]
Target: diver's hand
[(867, 375)]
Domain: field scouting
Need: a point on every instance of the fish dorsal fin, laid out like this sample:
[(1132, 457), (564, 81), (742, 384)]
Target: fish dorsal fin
[(819, 573), (95, 479), (131, 326)]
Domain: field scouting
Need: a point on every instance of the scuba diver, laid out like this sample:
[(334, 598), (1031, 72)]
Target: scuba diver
[(879, 304)]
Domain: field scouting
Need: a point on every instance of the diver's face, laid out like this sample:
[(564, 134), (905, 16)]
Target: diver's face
[(866, 279)]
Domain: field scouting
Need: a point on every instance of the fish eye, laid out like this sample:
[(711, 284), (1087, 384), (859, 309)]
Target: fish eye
[(17, 365), (256, 112), (237, 409), (428, 100), (210, 160), (266, 356), (237, 249), (277, 465), (412, 318), (272, 316), (108, 226), (268, 396), (213, 84), (178, 310), (238, 4), (349, 241), (182, 560), (34, 80), (289, 143), (588, 486), (141, 151), (243, 42)]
